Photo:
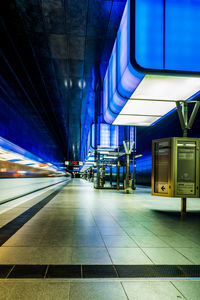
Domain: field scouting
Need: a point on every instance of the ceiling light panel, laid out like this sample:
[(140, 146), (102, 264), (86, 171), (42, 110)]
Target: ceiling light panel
[(148, 108), (134, 120), (166, 88)]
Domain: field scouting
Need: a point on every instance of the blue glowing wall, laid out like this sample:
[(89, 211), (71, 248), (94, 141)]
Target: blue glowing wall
[(19, 130), (143, 169)]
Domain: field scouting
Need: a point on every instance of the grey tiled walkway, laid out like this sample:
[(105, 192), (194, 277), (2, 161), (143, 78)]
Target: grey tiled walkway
[(99, 290), (85, 226)]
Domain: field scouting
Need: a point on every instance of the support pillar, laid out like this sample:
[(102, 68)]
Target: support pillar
[(98, 171), (103, 175), (118, 174), (127, 172), (111, 175), (183, 207), (123, 174)]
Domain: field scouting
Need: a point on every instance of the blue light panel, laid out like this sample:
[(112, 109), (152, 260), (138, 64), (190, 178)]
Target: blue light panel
[(159, 37), (167, 34), (127, 77), (149, 33), (182, 35), (104, 135), (114, 136)]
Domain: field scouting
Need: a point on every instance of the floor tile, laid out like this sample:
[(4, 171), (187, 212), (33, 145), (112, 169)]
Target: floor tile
[(30, 271), (149, 242), (166, 271), (4, 270), (60, 271), (139, 232), (179, 242), (151, 290), (159, 231), (90, 255), (166, 256), (191, 270), (119, 241), (97, 291), (193, 254), (17, 255), (23, 290), (190, 289), (133, 256), (131, 271), (88, 240), (112, 231), (56, 242), (22, 240), (99, 271)]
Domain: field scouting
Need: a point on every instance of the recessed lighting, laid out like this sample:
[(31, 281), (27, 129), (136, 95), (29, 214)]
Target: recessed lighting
[(81, 84)]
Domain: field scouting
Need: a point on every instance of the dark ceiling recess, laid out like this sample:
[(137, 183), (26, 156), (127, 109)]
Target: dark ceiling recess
[(51, 52)]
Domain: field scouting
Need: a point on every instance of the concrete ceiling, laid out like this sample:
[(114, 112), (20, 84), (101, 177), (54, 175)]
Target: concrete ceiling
[(50, 48)]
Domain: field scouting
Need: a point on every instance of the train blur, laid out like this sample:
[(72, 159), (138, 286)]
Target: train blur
[(17, 180)]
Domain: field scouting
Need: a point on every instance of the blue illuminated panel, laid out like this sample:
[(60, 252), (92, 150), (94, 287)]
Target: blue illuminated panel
[(114, 136), (165, 35), (120, 78), (159, 37), (149, 33), (127, 77), (109, 116), (109, 136), (104, 135), (93, 135), (183, 35)]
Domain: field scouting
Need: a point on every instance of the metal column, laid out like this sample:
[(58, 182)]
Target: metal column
[(118, 174), (185, 125), (103, 175), (98, 171), (127, 170), (111, 175)]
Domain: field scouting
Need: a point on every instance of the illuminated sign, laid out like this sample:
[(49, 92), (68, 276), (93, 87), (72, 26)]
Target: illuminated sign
[(74, 163)]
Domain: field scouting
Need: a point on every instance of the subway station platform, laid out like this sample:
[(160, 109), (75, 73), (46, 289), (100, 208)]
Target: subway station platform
[(71, 241)]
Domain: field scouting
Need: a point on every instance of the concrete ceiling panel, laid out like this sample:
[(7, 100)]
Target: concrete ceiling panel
[(31, 14), (76, 48), (58, 43), (54, 15), (98, 17), (78, 17), (76, 68)]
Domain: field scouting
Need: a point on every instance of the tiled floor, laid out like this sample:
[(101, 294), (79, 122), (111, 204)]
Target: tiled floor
[(99, 290), (86, 226)]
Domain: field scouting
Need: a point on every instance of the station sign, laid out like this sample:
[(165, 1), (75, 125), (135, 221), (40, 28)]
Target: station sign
[(73, 163)]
